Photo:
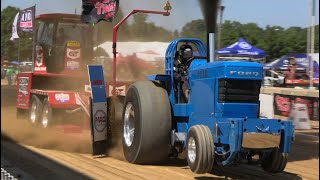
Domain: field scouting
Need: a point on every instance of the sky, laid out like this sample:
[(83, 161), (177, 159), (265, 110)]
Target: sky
[(284, 13)]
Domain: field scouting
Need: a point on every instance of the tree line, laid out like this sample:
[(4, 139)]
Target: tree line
[(274, 40)]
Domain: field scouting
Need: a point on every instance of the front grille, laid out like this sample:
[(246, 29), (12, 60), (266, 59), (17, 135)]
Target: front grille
[(239, 91)]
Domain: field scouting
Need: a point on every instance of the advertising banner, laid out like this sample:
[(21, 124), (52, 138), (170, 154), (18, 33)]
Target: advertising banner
[(300, 117), (26, 19), (97, 10), (283, 104), (14, 28)]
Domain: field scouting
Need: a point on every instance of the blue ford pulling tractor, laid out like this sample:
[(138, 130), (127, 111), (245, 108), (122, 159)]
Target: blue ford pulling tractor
[(218, 125)]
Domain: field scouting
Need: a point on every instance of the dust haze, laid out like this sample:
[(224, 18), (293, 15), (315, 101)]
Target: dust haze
[(132, 68), (21, 131)]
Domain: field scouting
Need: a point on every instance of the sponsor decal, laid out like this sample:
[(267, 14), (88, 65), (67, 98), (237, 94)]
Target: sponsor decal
[(97, 82), (87, 88), (40, 68), (39, 56), (100, 120), (23, 85), (62, 97), (73, 53), (72, 65), (244, 73), (245, 45), (120, 90), (73, 44)]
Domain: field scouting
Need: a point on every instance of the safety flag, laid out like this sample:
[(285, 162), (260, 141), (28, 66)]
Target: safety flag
[(14, 28), (94, 11), (26, 19)]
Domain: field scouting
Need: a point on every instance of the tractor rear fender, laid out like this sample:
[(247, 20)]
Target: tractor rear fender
[(164, 80)]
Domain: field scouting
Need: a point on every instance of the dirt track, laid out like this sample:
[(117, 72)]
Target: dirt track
[(74, 152)]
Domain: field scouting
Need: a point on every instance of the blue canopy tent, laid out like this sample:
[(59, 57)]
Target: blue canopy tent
[(283, 63), (302, 64), (315, 69), (15, 62), (243, 49)]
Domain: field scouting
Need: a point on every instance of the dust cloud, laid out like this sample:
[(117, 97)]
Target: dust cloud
[(21, 131)]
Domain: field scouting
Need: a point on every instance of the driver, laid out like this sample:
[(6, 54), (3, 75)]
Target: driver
[(61, 37), (182, 61)]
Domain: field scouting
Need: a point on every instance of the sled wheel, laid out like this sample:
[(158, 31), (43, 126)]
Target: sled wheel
[(47, 119), (35, 110)]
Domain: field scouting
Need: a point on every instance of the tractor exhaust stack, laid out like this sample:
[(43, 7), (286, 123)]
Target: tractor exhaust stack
[(210, 10)]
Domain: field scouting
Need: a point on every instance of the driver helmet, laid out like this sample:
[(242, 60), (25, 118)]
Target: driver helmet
[(185, 52)]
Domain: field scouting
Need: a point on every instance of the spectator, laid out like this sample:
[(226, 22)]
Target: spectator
[(291, 70), (9, 76)]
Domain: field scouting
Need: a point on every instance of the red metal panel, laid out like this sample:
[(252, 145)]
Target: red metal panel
[(62, 99)]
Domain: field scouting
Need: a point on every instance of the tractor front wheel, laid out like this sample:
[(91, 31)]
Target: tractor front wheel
[(200, 149), (275, 162)]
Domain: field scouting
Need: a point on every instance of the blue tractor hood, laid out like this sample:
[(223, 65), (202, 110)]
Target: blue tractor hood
[(226, 69)]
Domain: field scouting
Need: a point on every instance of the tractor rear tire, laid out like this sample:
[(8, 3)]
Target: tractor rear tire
[(47, 116), (35, 110), (146, 124), (275, 162), (200, 149), (115, 120)]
